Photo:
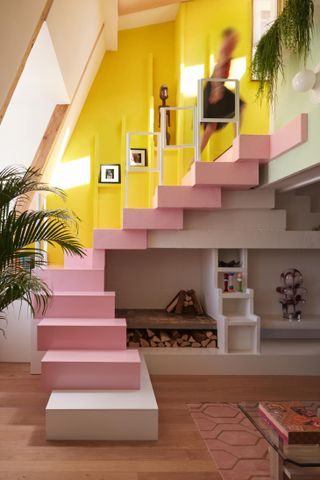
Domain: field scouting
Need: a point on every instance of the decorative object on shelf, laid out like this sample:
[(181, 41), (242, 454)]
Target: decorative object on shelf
[(292, 293), (225, 282), (164, 95), (264, 12), (230, 282), (185, 302), (231, 264), (292, 30), (138, 157), (239, 284), (110, 173), (308, 81)]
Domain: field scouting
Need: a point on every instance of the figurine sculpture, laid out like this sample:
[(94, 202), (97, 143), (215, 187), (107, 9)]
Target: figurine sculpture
[(164, 95), (292, 293)]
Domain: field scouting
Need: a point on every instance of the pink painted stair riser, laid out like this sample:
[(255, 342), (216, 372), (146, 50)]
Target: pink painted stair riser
[(73, 280), (81, 334), (188, 197), (153, 218), (112, 239), (80, 305), (227, 175), (91, 370), (94, 259)]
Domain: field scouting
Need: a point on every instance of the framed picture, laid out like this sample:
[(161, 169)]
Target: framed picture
[(110, 173), (264, 13), (138, 157)]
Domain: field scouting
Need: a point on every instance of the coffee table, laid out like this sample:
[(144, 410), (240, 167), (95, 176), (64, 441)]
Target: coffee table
[(286, 461)]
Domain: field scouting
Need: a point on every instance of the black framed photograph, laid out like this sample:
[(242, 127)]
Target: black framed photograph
[(138, 157), (110, 173)]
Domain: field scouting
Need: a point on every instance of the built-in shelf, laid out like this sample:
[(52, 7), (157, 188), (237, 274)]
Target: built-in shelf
[(232, 295), (231, 269)]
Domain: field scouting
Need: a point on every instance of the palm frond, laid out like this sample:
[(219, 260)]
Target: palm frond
[(18, 284)]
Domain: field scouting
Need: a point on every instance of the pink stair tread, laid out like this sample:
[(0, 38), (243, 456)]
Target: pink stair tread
[(113, 239), (91, 369), (153, 218), (228, 175), (81, 305), (187, 197), (94, 259), (81, 333), (73, 280)]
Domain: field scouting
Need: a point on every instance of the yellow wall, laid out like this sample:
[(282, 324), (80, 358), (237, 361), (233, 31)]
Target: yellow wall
[(199, 26), (127, 87)]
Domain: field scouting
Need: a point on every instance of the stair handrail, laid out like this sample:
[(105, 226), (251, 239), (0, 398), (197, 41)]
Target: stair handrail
[(200, 106)]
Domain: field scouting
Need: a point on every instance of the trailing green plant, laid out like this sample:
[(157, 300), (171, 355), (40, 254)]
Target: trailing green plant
[(292, 30), (21, 233)]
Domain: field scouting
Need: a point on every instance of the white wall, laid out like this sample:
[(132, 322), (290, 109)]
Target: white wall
[(74, 26), (39, 89), (264, 269), (15, 347), (151, 278), (18, 20)]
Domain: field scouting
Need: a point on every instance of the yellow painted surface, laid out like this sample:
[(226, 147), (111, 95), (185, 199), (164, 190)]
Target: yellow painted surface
[(125, 97)]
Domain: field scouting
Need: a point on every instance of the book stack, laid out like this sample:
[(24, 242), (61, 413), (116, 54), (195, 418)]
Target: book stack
[(295, 423)]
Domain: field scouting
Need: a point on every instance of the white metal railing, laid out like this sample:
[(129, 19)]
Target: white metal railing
[(198, 119), (129, 168)]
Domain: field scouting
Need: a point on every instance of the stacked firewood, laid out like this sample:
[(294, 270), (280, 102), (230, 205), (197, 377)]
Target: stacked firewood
[(186, 301), (171, 338)]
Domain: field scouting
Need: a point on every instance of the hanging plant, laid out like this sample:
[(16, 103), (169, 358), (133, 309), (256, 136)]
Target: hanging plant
[(292, 30)]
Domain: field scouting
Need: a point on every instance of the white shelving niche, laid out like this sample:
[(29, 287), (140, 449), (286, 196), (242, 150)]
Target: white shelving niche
[(238, 326)]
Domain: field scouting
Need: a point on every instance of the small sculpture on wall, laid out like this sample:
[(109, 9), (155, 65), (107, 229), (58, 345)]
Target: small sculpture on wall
[(292, 293), (164, 95)]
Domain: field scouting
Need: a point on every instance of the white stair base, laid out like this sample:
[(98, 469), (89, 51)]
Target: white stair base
[(104, 415)]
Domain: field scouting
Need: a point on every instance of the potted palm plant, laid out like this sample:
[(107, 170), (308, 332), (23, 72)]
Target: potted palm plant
[(22, 231)]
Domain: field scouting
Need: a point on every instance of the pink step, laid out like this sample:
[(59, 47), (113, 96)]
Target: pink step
[(188, 197), (91, 370), (248, 147), (94, 259), (72, 280), (228, 175), (82, 334), (111, 239), (153, 218), (80, 305), (292, 135)]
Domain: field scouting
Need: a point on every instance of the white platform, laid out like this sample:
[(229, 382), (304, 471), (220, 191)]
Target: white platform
[(104, 415), (274, 326), (277, 357)]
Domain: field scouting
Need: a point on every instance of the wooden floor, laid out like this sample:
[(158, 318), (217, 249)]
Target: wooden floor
[(179, 454)]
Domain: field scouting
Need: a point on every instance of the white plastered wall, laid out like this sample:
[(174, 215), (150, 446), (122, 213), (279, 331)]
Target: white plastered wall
[(16, 31)]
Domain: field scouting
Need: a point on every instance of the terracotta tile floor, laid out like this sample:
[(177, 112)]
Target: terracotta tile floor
[(237, 448)]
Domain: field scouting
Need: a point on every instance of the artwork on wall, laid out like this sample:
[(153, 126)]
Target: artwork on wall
[(264, 12), (110, 173), (138, 157)]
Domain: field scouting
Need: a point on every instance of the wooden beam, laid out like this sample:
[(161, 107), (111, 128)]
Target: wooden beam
[(43, 16), (46, 146)]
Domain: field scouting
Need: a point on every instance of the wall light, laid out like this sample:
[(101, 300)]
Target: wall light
[(308, 81)]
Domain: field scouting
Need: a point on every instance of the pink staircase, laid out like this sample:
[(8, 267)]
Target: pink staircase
[(85, 345)]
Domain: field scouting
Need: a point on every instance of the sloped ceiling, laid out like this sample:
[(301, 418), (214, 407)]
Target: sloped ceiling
[(132, 6)]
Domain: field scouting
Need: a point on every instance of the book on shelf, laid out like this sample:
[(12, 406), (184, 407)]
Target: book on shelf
[(295, 422)]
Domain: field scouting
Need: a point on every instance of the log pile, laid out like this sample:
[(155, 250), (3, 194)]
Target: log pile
[(154, 338)]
